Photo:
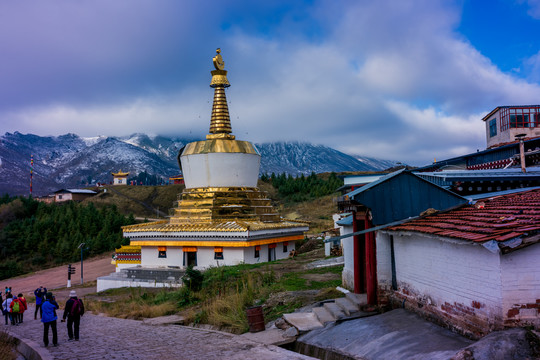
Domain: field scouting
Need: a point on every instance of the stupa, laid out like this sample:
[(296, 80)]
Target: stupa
[(221, 217)]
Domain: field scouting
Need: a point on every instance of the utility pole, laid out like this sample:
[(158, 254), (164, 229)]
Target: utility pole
[(81, 246)]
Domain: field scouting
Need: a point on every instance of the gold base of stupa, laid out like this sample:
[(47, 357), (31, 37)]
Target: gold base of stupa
[(218, 204)]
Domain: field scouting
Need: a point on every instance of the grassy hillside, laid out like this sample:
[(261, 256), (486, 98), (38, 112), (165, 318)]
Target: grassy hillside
[(132, 199)]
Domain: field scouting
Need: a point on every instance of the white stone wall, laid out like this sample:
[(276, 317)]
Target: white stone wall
[(348, 257), (231, 256), (446, 273), (149, 257), (520, 271), (104, 284), (221, 170)]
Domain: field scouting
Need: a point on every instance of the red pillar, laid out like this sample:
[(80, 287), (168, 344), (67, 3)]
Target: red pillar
[(371, 264), (359, 255)]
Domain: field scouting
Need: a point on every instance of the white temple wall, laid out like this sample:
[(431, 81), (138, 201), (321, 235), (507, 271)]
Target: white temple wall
[(221, 170), (149, 256), (231, 256)]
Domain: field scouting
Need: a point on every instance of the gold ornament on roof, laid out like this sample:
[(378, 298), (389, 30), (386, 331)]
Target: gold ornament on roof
[(218, 60), (220, 122)]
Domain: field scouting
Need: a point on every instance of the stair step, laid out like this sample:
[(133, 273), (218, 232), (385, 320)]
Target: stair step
[(335, 310), (347, 306), (358, 299), (303, 321), (323, 315)]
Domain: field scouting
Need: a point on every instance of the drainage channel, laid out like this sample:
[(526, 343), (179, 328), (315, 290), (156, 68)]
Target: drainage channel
[(315, 351)]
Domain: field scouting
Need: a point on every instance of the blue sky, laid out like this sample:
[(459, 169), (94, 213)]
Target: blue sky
[(406, 81)]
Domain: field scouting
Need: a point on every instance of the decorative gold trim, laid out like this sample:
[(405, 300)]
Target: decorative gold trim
[(219, 146)]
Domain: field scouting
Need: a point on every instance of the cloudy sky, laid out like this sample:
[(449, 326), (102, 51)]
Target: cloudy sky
[(400, 80)]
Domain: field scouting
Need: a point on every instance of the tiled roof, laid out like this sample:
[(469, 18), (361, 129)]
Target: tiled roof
[(226, 226), (498, 218)]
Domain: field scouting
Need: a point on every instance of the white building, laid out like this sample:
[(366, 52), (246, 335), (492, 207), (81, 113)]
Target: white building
[(505, 122), (475, 269)]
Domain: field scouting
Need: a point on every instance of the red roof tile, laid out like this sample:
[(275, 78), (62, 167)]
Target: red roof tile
[(500, 218)]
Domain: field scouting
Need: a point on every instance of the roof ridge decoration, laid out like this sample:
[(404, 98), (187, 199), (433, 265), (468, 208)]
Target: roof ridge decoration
[(220, 122)]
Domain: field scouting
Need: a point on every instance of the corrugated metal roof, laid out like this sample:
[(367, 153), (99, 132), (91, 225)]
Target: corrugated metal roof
[(401, 195), (76, 191), (498, 218), (498, 193)]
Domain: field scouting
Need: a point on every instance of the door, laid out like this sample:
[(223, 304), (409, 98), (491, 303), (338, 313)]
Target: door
[(271, 254), (190, 258)]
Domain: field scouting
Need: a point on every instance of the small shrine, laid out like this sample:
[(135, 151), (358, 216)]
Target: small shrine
[(221, 217), (177, 179), (120, 178)]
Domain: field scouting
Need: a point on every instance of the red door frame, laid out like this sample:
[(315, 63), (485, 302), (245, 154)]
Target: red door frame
[(365, 260)]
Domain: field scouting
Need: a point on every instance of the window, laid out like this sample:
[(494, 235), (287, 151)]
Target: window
[(257, 251), (518, 117), (493, 127), (285, 244), (218, 253), (162, 251)]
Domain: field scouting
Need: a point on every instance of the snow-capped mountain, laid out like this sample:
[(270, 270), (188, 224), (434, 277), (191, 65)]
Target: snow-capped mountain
[(296, 158), (69, 161)]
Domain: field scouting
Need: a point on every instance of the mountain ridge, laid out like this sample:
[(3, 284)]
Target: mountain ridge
[(70, 161)]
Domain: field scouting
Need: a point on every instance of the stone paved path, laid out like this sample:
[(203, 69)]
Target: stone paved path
[(111, 338)]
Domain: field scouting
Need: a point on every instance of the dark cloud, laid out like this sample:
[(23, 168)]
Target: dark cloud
[(386, 79)]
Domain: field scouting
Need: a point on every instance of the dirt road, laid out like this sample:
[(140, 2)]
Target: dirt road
[(55, 279)]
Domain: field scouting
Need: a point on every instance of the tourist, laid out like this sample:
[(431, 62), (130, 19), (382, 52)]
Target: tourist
[(40, 297), (16, 307), (73, 311), (48, 319), (25, 305), (6, 307)]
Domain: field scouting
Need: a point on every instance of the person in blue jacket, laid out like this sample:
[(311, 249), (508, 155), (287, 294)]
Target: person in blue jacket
[(49, 318), (40, 297)]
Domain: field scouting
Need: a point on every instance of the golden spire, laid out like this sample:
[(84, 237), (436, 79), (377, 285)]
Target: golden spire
[(220, 122)]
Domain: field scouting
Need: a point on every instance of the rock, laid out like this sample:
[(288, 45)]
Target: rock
[(281, 324), (507, 344), (291, 332)]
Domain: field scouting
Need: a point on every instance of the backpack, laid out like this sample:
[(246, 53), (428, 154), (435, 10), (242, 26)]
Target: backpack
[(76, 308), (15, 306)]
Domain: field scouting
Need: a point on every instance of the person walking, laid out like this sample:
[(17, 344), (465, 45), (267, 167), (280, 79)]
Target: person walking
[(22, 299), (15, 308), (73, 311), (6, 307), (49, 318), (40, 297)]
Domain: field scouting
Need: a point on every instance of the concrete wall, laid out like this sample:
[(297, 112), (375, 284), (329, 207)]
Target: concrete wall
[(63, 197), (347, 276), (452, 282), (205, 256), (221, 170), (149, 256), (231, 256), (520, 271), (105, 283)]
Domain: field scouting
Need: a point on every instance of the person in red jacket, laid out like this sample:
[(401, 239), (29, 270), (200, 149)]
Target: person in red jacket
[(15, 308), (22, 299)]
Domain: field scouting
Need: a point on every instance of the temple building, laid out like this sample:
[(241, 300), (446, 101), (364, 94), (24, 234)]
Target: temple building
[(120, 178), (221, 217)]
